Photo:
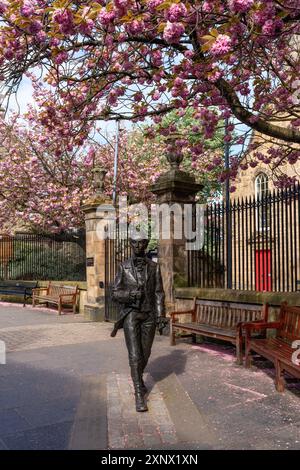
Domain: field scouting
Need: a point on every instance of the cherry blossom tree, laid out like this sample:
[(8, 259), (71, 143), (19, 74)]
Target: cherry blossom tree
[(134, 59), (43, 180), (46, 164)]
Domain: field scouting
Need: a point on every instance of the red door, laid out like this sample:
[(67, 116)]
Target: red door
[(263, 279)]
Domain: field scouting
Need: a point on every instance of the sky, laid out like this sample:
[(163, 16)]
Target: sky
[(19, 102)]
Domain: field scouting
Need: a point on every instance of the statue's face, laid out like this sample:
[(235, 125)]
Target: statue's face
[(139, 246)]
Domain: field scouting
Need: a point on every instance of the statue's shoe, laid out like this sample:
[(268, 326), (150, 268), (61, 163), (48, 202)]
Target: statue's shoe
[(140, 404)]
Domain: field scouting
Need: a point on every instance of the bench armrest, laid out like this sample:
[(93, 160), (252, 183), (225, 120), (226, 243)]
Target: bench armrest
[(39, 289), (251, 326), (243, 324), (260, 325), (68, 295), (181, 312)]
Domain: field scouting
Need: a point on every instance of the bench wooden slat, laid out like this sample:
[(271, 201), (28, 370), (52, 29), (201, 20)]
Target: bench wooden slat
[(201, 328), (220, 319)]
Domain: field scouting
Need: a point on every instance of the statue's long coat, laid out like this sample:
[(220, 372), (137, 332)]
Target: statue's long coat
[(126, 281)]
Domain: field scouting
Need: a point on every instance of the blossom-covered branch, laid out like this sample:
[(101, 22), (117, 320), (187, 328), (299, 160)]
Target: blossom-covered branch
[(134, 58)]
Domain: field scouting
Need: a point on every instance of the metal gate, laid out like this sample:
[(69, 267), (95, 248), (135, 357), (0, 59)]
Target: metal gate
[(117, 249)]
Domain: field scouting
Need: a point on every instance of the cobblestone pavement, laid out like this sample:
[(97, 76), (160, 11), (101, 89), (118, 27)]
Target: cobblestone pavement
[(66, 385)]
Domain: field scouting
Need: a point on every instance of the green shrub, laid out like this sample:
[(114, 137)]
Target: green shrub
[(41, 261)]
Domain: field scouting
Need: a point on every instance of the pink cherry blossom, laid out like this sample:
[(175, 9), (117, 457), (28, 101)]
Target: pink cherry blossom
[(173, 32), (271, 27), (28, 8), (221, 46), (240, 6), (121, 4), (61, 57), (176, 12), (3, 6), (106, 17), (207, 6), (135, 27), (35, 27)]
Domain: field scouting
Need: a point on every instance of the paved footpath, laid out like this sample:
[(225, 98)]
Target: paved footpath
[(66, 385)]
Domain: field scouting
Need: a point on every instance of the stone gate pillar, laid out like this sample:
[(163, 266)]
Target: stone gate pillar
[(174, 187), (98, 211)]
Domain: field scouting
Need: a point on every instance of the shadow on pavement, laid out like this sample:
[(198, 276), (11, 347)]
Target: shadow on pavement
[(172, 363), (39, 407)]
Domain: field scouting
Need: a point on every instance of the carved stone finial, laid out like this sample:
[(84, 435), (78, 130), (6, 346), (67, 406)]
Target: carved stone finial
[(99, 177), (174, 152)]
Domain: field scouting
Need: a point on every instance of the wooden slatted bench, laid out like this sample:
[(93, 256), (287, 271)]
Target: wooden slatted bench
[(218, 319), (279, 349), (23, 288), (56, 294)]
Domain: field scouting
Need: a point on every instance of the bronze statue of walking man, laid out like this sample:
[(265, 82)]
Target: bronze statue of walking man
[(139, 291)]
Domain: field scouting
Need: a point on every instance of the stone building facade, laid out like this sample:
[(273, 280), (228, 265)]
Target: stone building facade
[(247, 180), (266, 238)]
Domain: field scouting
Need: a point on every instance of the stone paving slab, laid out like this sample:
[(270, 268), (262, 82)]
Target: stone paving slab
[(24, 338), (2, 445), (89, 431), (13, 314), (49, 412), (188, 420), (128, 429), (11, 421), (54, 437), (31, 388)]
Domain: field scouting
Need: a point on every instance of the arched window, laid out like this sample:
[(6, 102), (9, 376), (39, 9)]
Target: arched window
[(262, 209), (261, 186)]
